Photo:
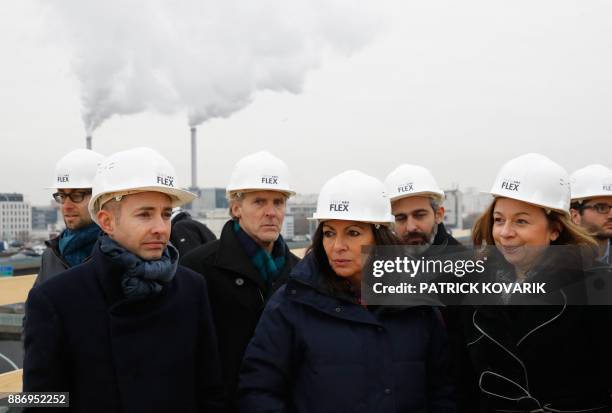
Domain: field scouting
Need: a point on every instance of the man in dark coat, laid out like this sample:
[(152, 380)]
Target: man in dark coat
[(188, 233), (74, 175), (416, 204), (129, 330), (249, 261)]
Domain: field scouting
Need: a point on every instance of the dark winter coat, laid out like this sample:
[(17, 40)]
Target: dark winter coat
[(446, 247), (555, 357), (52, 262), (118, 355), (318, 352), (444, 239), (188, 233), (237, 294)]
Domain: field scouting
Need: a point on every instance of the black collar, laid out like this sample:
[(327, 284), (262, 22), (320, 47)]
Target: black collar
[(232, 257)]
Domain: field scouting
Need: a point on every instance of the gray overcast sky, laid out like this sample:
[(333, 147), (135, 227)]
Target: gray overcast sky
[(456, 86)]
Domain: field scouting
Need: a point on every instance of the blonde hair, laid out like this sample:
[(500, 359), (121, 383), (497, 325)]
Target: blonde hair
[(232, 198)]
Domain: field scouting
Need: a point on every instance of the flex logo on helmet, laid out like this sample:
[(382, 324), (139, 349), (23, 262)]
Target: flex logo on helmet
[(165, 180), (63, 178), (339, 206), (269, 179), (510, 185), (607, 187), (409, 187)]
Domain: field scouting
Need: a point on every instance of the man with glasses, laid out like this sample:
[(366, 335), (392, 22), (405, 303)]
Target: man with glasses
[(591, 205), (73, 180)]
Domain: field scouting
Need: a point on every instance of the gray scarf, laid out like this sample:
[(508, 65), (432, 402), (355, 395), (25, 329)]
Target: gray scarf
[(142, 278)]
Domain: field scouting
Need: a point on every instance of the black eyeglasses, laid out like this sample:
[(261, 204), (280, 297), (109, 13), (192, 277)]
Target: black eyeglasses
[(75, 197), (600, 208)]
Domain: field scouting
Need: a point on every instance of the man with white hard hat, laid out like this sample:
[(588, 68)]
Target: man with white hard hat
[(129, 330), (591, 206), (74, 175), (416, 203), (250, 260)]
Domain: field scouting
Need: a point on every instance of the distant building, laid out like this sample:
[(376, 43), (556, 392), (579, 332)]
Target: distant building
[(301, 207), (15, 217), (475, 201), (453, 209), (288, 230), (44, 217), (208, 199)]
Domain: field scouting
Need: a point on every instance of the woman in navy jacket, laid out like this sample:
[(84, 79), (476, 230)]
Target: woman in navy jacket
[(318, 349)]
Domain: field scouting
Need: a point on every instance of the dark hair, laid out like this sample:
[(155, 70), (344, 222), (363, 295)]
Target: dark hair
[(382, 236)]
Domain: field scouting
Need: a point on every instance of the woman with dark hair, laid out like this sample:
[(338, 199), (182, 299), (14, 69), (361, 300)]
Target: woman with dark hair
[(553, 357), (318, 348)]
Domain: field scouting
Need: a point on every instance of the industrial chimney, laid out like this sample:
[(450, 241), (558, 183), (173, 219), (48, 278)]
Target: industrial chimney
[(88, 140), (194, 162)]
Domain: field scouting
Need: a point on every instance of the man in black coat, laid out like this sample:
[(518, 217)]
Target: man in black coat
[(416, 203), (249, 261), (129, 330)]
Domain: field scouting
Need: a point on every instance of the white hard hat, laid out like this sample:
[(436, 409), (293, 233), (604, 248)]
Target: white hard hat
[(133, 171), (76, 169), (591, 181), (535, 179), (260, 171), (412, 180), (354, 196)]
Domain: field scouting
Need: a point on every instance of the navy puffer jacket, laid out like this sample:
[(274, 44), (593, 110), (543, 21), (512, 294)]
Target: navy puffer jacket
[(316, 352)]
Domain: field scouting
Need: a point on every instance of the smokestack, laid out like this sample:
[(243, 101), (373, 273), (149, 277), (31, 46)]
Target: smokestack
[(88, 139), (194, 162)]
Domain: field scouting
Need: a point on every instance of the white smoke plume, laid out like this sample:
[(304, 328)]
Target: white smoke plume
[(204, 57)]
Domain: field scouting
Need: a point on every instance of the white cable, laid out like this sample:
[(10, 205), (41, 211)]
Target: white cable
[(9, 361)]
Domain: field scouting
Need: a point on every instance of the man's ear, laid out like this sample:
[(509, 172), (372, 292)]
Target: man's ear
[(440, 215), (575, 215), (106, 221), (236, 210)]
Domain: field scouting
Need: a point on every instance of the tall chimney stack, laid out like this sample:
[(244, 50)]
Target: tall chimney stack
[(88, 140), (194, 162)]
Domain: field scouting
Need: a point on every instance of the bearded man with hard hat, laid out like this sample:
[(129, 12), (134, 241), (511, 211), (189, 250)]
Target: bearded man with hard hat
[(129, 330), (250, 260), (416, 203), (74, 175), (591, 206)]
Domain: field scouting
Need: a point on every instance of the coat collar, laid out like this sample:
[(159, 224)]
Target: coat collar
[(108, 275), (307, 287), (232, 257), (53, 245)]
